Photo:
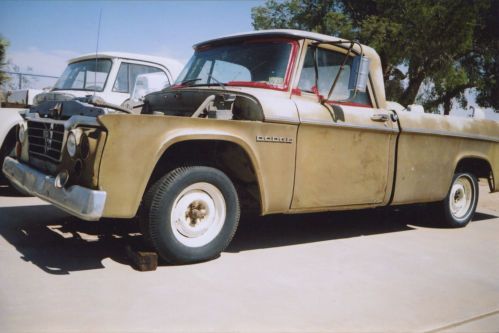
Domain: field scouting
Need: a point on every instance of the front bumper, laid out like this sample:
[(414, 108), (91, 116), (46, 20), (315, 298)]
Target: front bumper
[(77, 200)]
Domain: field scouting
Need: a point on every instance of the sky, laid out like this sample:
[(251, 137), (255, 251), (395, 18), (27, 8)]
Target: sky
[(44, 35)]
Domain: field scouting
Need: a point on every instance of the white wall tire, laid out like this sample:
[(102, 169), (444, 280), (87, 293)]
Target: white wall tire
[(193, 214), (461, 201)]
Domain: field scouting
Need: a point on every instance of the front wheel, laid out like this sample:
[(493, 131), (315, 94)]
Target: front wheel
[(460, 204), (193, 214)]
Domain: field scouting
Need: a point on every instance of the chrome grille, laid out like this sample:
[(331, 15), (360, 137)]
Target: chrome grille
[(46, 140)]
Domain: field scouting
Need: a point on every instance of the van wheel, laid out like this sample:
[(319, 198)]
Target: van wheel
[(460, 204), (193, 215)]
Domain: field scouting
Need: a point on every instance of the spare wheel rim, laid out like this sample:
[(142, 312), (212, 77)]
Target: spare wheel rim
[(461, 197)]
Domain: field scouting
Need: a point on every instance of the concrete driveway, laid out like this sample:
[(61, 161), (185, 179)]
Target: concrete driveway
[(370, 271)]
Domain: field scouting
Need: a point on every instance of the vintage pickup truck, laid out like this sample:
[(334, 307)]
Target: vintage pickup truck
[(282, 121)]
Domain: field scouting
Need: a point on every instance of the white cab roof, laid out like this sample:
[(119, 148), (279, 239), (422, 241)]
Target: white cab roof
[(276, 32), (290, 33), (124, 55)]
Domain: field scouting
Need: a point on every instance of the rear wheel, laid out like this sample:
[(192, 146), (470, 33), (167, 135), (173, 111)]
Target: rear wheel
[(460, 204), (193, 214)]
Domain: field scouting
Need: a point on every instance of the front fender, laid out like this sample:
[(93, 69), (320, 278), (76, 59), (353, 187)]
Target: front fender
[(135, 143)]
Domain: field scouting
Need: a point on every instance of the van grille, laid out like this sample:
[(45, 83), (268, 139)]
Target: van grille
[(46, 140)]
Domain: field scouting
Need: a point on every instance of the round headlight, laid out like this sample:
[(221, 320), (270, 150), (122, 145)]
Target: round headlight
[(21, 135), (38, 99), (71, 144)]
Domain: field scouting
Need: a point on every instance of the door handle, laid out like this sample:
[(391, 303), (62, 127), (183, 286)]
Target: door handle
[(380, 117)]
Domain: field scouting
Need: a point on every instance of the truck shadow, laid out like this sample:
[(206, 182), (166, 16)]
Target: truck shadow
[(284, 230), (6, 190), (60, 244)]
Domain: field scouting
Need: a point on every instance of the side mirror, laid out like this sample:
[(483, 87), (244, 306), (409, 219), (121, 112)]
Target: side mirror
[(359, 74), (148, 83)]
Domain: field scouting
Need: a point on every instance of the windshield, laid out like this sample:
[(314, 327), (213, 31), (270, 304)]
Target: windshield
[(259, 64), (85, 75)]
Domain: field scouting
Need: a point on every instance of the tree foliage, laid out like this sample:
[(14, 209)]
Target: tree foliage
[(488, 59), (3, 49), (9, 82), (440, 47)]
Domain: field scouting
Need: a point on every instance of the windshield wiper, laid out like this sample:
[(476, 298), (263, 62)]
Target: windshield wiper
[(216, 81), (190, 82)]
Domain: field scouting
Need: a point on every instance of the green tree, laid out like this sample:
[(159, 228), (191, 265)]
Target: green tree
[(3, 48), (488, 59), (440, 48)]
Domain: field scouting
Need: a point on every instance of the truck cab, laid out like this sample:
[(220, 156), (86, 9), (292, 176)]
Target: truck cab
[(109, 75)]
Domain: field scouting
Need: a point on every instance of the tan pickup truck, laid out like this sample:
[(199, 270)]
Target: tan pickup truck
[(282, 121)]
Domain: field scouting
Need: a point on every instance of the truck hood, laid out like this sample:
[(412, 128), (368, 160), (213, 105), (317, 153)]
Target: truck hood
[(65, 109), (249, 104)]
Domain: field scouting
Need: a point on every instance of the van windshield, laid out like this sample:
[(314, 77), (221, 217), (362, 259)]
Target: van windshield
[(260, 63), (88, 75)]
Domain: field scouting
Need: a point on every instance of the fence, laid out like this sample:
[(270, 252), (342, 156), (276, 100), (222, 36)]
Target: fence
[(20, 81)]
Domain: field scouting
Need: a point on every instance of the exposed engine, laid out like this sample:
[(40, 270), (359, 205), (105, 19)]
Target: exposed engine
[(204, 103), (63, 110)]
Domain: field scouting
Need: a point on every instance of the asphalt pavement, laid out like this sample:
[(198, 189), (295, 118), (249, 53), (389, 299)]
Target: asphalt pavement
[(385, 270)]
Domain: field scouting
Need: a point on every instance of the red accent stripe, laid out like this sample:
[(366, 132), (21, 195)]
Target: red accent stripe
[(253, 84), (291, 65), (362, 105)]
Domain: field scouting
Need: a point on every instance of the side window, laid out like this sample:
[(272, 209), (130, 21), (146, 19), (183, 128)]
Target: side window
[(328, 65), (121, 84)]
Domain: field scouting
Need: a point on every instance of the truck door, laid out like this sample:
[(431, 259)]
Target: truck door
[(345, 146)]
